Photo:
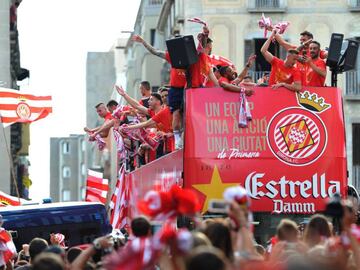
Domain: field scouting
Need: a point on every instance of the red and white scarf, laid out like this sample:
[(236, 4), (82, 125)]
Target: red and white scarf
[(7, 247)]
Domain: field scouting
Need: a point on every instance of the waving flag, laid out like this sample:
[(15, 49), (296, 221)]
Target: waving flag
[(217, 60), (96, 187), (120, 201), (7, 247), (6, 199), (15, 106)]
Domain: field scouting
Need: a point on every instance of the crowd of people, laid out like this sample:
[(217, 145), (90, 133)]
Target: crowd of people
[(225, 243)]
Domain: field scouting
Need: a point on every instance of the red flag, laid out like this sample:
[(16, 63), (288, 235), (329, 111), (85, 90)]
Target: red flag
[(96, 187), (7, 247), (220, 60), (6, 199), (16, 106), (120, 201)]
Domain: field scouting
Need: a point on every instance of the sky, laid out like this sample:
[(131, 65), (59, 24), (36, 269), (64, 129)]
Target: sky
[(55, 36)]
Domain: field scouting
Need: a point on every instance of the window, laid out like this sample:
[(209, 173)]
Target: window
[(267, 3), (155, 2), (66, 147), (66, 195), (152, 36), (353, 77), (66, 172), (260, 65), (354, 5)]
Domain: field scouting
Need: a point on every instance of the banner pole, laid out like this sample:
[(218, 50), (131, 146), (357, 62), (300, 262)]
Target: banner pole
[(11, 162)]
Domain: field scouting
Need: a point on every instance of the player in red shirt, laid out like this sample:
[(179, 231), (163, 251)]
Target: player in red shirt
[(201, 71), (305, 39), (283, 73), (155, 103), (102, 130), (315, 69), (112, 105), (164, 93), (229, 81), (162, 120), (176, 91), (145, 91)]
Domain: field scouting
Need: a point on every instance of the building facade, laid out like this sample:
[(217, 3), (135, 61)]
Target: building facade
[(141, 65), (234, 28), (100, 80), (68, 168), (5, 80), (14, 140)]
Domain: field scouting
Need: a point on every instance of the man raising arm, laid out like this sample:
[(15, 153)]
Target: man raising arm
[(150, 48), (283, 73)]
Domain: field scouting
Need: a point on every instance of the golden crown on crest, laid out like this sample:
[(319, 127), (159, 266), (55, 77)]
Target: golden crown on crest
[(312, 101), (22, 98)]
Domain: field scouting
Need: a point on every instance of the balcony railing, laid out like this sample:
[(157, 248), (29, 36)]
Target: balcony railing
[(352, 88), (257, 74), (266, 5), (155, 2), (354, 5)]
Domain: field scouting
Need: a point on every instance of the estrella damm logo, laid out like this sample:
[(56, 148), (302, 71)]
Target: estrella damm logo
[(296, 136)]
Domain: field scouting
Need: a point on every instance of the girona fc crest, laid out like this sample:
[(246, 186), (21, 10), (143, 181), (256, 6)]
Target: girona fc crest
[(296, 136), (23, 111)]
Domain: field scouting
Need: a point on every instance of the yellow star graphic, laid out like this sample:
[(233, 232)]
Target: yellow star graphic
[(213, 190)]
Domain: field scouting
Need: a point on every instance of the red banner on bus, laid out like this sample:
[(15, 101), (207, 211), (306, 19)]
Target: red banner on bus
[(159, 175), (290, 158)]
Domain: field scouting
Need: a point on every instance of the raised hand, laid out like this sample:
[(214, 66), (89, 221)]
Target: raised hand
[(137, 38), (120, 90), (206, 30), (273, 33), (251, 60)]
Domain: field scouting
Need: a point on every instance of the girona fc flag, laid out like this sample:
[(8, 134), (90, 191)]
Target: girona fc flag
[(120, 205), (16, 106), (290, 158), (96, 187)]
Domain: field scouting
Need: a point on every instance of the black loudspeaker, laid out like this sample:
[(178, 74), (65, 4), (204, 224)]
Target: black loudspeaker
[(182, 51), (350, 55), (334, 50)]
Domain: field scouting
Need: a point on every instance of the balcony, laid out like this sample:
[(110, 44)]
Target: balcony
[(257, 74), (354, 5), (266, 6), (352, 89), (155, 2)]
